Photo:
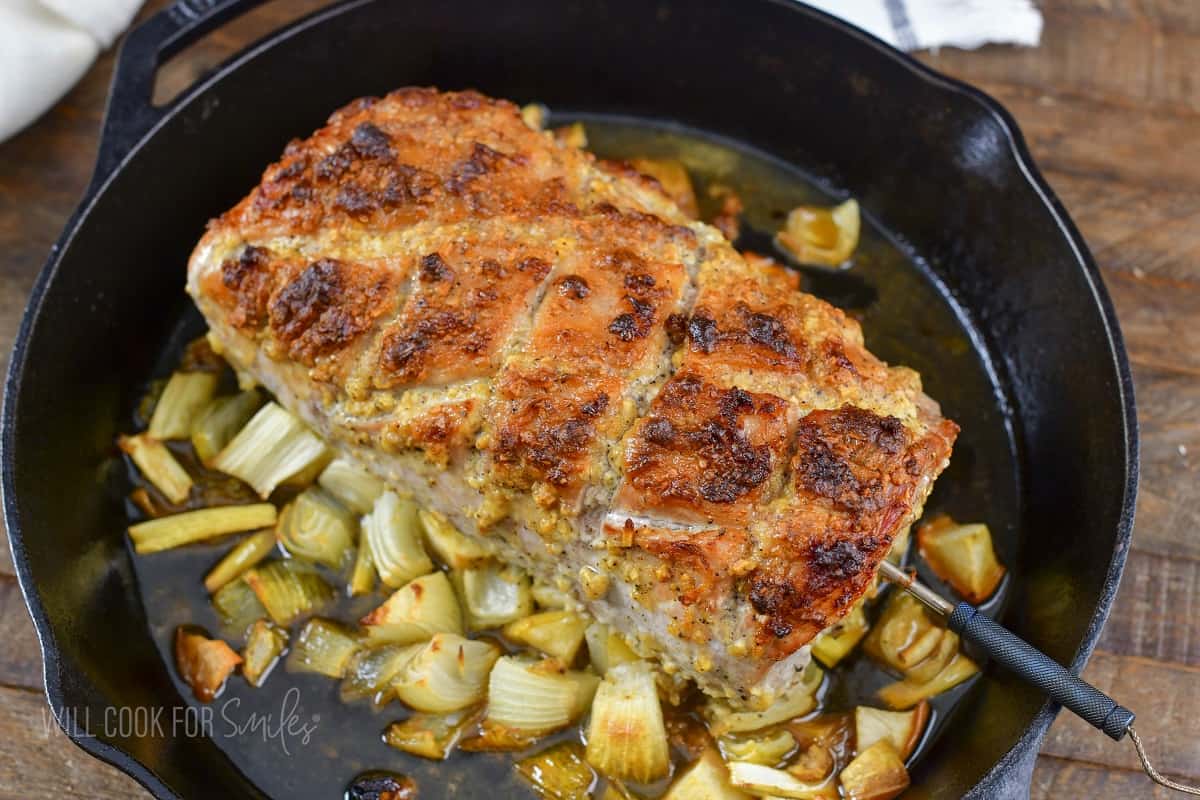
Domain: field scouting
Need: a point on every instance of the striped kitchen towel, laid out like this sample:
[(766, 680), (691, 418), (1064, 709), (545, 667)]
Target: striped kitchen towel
[(929, 24)]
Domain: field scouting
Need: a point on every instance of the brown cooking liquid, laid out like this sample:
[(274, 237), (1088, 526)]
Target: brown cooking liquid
[(907, 319)]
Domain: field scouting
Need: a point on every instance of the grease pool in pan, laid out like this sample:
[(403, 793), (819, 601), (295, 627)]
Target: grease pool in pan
[(907, 319)]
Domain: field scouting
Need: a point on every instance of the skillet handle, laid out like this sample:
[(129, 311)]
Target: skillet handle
[(130, 114), (1063, 686)]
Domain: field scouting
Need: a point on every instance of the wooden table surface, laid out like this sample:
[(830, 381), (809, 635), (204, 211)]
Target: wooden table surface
[(1110, 105)]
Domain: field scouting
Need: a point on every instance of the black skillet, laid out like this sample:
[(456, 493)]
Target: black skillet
[(971, 272)]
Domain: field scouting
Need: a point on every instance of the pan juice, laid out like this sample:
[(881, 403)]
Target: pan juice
[(295, 738)]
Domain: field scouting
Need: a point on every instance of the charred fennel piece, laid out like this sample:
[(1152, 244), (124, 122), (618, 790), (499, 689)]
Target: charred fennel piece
[(416, 612), (316, 528), (185, 396), (176, 530), (272, 447), (535, 698), (265, 643), (447, 674), (288, 590), (770, 782), (203, 663), (392, 533), (323, 647), (431, 736), (244, 555), (216, 426), (961, 555), (876, 773), (353, 486), (157, 465), (627, 739)]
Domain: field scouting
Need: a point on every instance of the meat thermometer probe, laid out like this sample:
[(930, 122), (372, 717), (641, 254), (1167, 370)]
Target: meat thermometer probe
[(1068, 690)]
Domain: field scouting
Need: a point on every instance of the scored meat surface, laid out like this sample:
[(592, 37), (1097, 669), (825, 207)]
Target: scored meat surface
[(543, 347)]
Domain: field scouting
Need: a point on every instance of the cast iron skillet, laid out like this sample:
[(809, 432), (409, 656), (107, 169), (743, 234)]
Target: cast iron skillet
[(942, 167)]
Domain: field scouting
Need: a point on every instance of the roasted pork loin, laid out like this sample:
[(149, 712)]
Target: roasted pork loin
[(543, 347)]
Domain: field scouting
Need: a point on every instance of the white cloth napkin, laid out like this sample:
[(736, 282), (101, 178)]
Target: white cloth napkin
[(46, 46), (929, 24)]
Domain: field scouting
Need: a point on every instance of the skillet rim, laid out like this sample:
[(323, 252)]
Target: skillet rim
[(1018, 759)]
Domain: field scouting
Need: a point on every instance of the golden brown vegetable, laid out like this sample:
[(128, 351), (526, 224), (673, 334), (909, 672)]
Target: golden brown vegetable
[(573, 135), (555, 633), (672, 175), (902, 729), (431, 736), (962, 556), (363, 576), (559, 772), (186, 395), (203, 663), (271, 448), (158, 465), (626, 738), (176, 530), (904, 633), (288, 590), (824, 236), (243, 556), (416, 612), (876, 773), (264, 644)]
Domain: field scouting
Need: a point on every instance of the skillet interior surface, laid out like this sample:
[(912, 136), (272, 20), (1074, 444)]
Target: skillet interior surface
[(972, 277)]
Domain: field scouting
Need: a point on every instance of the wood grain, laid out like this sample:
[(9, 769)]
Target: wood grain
[(1110, 106), (38, 760)]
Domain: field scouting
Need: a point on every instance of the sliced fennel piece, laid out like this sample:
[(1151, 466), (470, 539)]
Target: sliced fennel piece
[(494, 595), (315, 527), (176, 530), (323, 647), (272, 447), (451, 546), (447, 674), (352, 485), (627, 738), (371, 671), (244, 555), (158, 465), (537, 697), (216, 426), (431, 736), (391, 531), (265, 643), (288, 590), (186, 395), (415, 612), (555, 633)]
